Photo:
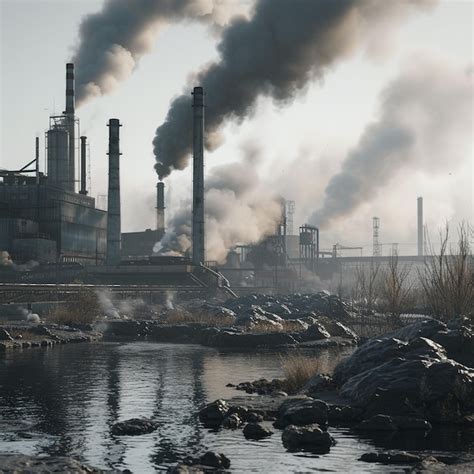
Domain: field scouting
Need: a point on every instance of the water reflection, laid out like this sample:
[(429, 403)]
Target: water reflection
[(64, 401)]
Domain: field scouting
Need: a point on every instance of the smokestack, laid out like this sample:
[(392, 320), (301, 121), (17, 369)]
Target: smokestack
[(420, 226), (198, 176), (160, 207), (113, 209), (37, 159), (83, 189), (70, 126)]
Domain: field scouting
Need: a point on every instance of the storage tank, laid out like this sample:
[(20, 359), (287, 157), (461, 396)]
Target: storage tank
[(58, 157)]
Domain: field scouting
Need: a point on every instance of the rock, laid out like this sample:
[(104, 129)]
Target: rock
[(5, 335), (134, 427), (41, 330), (406, 423), (216, 460), (262, 386), (256, 431), (398, 457), (16, 463), (302, 412), (315, 332), (254, 417), (307, 438), (318, 383), (344, 414), (231, 422), (378, 423), (214, 413), (336, 328), (410, 378)]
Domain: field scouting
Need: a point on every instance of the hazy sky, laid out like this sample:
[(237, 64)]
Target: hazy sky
[(307, 138)]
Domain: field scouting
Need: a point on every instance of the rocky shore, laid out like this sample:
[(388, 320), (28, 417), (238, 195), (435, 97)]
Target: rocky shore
[(27, 335), (414, 381)]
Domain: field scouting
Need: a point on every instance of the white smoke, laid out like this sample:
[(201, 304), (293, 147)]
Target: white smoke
[(425, 122)]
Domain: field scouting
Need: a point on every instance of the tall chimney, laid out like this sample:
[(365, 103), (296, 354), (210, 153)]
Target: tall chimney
[(113, 209), (37, 159), (198, 176), (83, 189), (160, 207), (70, 119), (420, 226)]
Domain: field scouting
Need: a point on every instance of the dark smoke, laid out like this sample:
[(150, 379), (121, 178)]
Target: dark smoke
[(112, 41), (276, 53), (426, 115)]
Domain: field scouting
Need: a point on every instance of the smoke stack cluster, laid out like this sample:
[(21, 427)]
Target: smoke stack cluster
[(114, 237), (198, 176), (160, 207)]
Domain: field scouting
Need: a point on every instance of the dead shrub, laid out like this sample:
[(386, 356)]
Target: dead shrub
[(83, 308), (182, 316)]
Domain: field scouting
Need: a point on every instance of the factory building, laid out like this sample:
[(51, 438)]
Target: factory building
[(43, 218)]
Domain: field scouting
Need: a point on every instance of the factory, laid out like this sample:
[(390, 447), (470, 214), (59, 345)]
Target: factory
[(50, 218)]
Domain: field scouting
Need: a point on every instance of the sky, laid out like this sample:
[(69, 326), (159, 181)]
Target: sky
[(301, 145)]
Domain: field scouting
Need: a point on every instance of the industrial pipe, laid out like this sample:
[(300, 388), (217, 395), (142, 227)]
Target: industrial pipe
[(70, 110), (160, 207)]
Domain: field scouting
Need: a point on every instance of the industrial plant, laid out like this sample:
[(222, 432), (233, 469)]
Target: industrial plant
[(52, 229)]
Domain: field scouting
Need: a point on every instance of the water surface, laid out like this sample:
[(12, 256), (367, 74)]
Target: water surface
[(64, 400)]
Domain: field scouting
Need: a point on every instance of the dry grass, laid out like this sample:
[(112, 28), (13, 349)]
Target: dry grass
[(84, 309), (298, 369), (181, 316), (286, 326), (448, 276)]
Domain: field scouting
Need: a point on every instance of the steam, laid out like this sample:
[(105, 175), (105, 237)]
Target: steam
[(239, 210), (117, 309), (7, 261), (276, 53), (425, 117), (112, 41)]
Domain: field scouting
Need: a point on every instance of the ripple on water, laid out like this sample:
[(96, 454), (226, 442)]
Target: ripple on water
[(70, 397)]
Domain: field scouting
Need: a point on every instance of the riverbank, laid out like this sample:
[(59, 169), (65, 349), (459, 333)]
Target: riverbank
[(409, 392), (25, 335)]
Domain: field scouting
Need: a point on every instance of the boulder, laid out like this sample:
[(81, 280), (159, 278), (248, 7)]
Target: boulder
[(302, 412), (411, 378), (307, 438), (232, 422), (256, 431), (213, 414), (318, 383), (254, 417), (215, 460), (315, 332), (134, 427), (344, 414), (378, 423)]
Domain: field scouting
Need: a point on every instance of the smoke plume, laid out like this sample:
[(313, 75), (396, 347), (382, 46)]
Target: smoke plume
[(425, 117), (239, 210), (112, 41), (275, 53)]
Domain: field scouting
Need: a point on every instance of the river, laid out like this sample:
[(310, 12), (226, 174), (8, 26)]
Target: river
[(64, 400)]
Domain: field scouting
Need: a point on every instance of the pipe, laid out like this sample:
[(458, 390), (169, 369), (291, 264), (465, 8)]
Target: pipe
[(113, 208), (83, 189), (70, 110), (198, 176), (420, 227), (160, 207)]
